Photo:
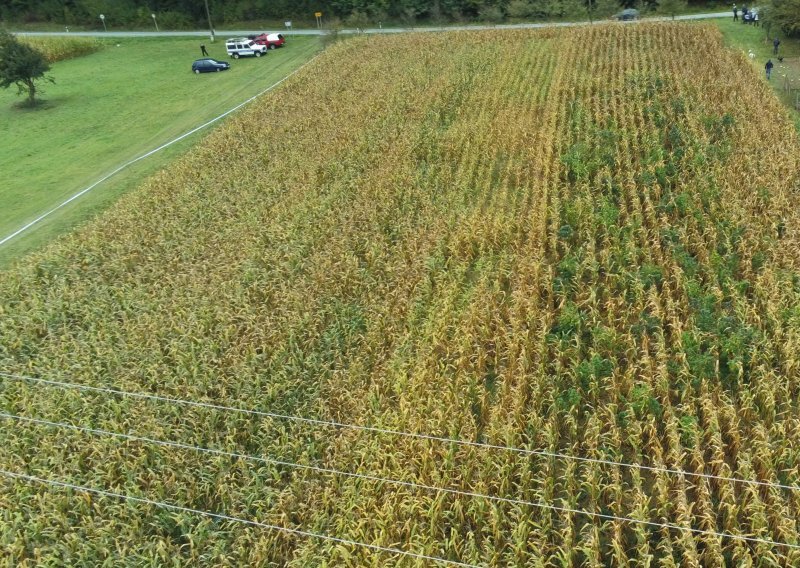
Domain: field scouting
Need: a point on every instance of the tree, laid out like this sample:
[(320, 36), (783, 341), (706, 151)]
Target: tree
[(519, 9), (786, 15), (490, 14), (607, 8), (358, 20), (21, 65), (765, 18), (672, 7), (601, 9)]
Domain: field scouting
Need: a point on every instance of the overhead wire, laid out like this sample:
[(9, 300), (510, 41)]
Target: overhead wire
[(372, 429), (224, 517), (408, 484)]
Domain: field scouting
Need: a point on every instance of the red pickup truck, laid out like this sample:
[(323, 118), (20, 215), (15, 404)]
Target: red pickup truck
[(272, 41)]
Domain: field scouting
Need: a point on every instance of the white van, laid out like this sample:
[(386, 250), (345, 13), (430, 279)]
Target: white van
[(244, 47)]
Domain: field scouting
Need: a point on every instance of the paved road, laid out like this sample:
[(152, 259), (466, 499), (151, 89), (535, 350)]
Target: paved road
[(221, 34)]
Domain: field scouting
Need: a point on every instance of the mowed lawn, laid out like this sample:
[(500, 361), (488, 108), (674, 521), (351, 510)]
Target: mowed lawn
[(106, 109)]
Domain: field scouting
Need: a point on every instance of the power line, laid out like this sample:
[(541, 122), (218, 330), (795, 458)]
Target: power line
[(224, 517), (409, 484), (372, 429)]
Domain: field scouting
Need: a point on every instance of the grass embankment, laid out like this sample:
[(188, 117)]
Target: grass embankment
[(569, 241), (785, 75), (107, 108)]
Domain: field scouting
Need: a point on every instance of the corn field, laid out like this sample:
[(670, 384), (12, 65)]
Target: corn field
[(579, 243), (61, 48)]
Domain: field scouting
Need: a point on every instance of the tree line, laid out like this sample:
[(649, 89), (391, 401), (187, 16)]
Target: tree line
[(183, 14), (191, 13)]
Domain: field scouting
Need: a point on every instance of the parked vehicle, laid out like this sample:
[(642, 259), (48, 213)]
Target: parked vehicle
[(208, 65), (243, 47), (271, 41), (627, 15)]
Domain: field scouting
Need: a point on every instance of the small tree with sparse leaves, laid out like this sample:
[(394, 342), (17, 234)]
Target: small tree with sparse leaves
[(21, 65), (672, 7), (785, 15)]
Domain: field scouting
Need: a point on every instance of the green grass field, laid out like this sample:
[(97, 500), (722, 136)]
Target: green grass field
[(106, 109), (785, 75)]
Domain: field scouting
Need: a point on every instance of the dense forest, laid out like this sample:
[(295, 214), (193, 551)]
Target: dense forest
[(191, 13)]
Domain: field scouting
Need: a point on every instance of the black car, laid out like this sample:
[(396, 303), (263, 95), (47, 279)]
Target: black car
[(209, 65), (628, 15)]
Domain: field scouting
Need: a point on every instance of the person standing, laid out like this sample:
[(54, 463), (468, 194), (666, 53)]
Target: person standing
[(755, 18), (768, 67), (775, 43), (735, 13), (203, 50)]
